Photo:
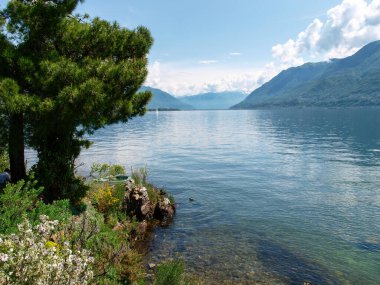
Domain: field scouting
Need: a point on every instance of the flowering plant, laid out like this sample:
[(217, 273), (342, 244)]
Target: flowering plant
[(32, 257), (105, 198)]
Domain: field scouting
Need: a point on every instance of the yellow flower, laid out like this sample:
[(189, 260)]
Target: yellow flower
[(51, 244)]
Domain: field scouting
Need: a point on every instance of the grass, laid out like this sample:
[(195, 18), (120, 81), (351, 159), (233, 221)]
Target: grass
[(170, 273)]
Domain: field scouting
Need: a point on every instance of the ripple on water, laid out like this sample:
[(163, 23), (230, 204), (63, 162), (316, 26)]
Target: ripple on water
[(281, 196)]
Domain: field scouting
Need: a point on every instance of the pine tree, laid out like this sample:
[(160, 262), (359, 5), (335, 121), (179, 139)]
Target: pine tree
[(65, 76)]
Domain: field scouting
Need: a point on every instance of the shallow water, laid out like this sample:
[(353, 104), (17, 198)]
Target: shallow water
[(280, 196)]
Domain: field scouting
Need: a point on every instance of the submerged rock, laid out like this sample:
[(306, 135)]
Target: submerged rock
[(293, 268)]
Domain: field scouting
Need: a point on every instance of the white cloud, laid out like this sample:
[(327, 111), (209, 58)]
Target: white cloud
[(347, 28), (208, 61), (179, 79), (155, 73)]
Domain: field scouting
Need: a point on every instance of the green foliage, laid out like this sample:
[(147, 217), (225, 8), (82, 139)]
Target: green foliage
[(171, 199), (140, 176), (22, 200), (99, 170), (170, 273), (66, 76), (4, 160), (105, 199), (153, 193), (115, 262), (60, 210)]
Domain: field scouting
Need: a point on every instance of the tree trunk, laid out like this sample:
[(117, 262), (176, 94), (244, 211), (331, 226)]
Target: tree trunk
[(16, 147)]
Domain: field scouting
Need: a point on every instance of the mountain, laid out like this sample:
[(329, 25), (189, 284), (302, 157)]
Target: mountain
[(351, 81), (222, 100), (163, 100)]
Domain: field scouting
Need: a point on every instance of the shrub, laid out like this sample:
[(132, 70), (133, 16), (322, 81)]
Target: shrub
[(115, 262), (170, 273), (104, 170), (31, 257), (22, 199), (60, 210), (105, 198)]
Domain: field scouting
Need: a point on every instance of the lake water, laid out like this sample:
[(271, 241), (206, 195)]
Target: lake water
[(280, 196)]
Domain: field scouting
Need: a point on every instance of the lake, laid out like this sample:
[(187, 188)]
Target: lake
[(280, 196)]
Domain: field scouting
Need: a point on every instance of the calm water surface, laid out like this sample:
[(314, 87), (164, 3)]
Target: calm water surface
[(281, 196)]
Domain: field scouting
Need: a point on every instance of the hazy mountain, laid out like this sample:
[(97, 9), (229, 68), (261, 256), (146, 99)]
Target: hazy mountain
[(163, 100), (222, 100), (351, 81)]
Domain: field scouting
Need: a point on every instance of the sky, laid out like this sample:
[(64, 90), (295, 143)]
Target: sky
[(237, 45)]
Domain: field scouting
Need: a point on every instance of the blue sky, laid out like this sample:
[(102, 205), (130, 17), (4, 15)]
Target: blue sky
[(190, 31), (218, 45)]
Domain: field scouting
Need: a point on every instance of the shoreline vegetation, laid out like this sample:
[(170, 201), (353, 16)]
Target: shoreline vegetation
[(63, 76), (100, 240)]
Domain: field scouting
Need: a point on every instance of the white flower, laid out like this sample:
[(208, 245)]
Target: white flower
[(4, 257)]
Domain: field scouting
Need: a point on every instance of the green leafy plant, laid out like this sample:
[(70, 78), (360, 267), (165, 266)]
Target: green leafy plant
[(100, 170), (170, 273), (115, 262), (23, 199)]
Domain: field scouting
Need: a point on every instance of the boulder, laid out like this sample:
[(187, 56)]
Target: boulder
[(164, 211), (136, 203)]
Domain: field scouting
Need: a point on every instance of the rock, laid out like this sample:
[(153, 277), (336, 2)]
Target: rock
[(164, 211), (119, 227), (142, 227), (136, 203), (152, 265)]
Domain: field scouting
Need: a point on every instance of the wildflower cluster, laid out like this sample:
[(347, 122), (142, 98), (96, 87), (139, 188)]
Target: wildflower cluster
[(32, 257), (105, 199)]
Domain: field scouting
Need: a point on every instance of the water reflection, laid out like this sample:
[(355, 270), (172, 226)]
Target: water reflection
[(274, 190)]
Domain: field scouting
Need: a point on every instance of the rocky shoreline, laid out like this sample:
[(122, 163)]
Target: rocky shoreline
[(149, 212)]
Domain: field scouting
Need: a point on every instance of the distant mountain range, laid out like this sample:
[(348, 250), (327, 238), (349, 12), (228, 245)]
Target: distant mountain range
[(163, 100), (351, 81), (222, 100), (166, 101)]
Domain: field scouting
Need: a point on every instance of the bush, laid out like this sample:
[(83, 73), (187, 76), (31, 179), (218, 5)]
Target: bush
[(115, 262), (31, 257), (99, 170), (170, 273), (105, 198), (22, 199)]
